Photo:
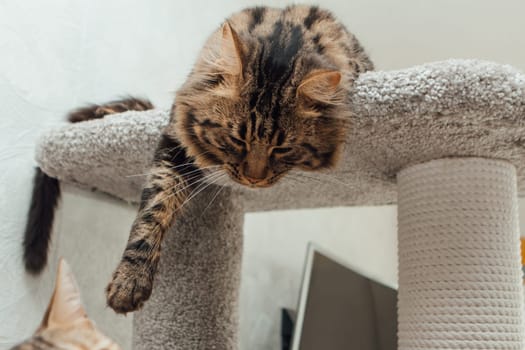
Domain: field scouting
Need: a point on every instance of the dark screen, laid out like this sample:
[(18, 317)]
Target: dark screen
[(346, 311)]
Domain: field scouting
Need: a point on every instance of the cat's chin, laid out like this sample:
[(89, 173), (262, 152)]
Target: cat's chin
[(237, 185)]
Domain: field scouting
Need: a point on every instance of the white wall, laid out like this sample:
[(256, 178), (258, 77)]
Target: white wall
[(57, 54)]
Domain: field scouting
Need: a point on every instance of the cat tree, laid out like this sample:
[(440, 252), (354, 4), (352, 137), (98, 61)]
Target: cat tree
[(445, 141)]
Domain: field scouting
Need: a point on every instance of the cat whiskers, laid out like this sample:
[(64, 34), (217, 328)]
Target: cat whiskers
[(179, 147), (213, 198), (205, 183), (305, 181), (184, 185), (178, 166), (319, 177), (188, 183), (190, 134)]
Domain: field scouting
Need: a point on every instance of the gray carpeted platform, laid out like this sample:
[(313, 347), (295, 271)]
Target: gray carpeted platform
[(445, 109), (450, 108)]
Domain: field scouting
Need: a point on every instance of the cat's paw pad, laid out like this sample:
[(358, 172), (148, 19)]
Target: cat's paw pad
[(129, 288)]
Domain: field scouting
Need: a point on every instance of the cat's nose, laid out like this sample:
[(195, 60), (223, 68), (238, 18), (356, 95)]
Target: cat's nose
[(254, 173)]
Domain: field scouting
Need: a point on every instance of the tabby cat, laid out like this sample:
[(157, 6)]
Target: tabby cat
[(269, 93), (65, 324), (46, 190)]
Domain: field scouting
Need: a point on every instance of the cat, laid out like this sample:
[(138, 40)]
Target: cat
[(46, 190), (269, 93), (65, 324)]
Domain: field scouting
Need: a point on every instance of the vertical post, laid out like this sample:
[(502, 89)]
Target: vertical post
[(194, 304), (460, 280)]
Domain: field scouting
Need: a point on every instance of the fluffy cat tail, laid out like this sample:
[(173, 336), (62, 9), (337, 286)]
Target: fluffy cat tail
[(44, 199), (46, 190), (95, 111)]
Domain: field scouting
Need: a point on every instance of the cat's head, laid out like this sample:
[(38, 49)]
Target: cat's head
[(65, 324), (258, 108)]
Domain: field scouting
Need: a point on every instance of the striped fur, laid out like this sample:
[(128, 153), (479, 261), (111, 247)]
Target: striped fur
[(68, 339), (269, 93), (95, 111), (65, 325), (275, 98), (172, 179), (46, 190)]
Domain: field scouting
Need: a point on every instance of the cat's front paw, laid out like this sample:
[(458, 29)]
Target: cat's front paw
[(130, 287)]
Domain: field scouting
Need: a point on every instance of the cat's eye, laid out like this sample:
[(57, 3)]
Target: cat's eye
[(282, 150), (237, 141)]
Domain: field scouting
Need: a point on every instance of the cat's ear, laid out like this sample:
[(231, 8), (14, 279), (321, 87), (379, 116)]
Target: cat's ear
[(65, 306), (231, 50), (321, 86), (225, 52)]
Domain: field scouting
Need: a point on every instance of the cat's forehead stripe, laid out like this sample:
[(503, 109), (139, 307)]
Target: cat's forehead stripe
[(242, 130), (276, 57), (313, 16), (253, 122), (257, 17), (280, 138), (285, 43)]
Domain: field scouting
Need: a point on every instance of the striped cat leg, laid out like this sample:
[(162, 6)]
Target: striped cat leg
[(166, 189)]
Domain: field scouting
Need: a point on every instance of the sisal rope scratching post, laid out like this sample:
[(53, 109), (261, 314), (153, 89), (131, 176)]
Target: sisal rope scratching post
[(459, 256), (435, 127)]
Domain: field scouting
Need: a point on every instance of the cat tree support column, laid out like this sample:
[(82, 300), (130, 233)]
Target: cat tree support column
[(194, 304), (460, 281)]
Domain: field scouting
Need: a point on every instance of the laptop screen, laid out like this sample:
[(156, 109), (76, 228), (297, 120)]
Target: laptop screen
[(340, 309)]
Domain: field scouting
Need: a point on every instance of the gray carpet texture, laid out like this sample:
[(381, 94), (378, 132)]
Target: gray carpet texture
[(194, 304), (454, 108), (443, 109)]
